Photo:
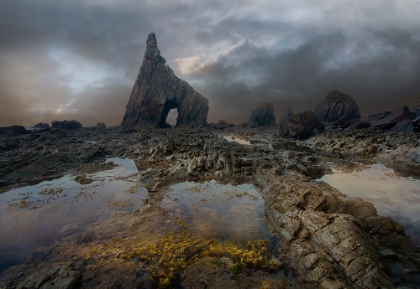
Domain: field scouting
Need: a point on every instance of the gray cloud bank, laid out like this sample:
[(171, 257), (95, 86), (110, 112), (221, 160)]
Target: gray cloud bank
[(78, 60)]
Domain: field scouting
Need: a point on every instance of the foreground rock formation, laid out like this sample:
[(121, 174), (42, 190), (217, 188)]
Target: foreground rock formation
[(157, 90), (337, 106), (262, 116), (328, 240)]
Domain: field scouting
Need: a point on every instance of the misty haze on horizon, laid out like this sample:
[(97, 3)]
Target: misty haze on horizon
[(79, 59)]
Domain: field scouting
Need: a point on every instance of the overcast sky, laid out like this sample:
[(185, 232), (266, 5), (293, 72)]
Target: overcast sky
[(78, 59)]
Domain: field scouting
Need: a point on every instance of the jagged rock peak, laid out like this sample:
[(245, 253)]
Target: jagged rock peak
[(263, 115), (152, 51), (337, 105), (157, 90)]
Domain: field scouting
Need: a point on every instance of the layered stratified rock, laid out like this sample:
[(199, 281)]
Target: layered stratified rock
[(400, 115), (157, 90), (337, 105), (299, 125), (335, 241), (262, 116)]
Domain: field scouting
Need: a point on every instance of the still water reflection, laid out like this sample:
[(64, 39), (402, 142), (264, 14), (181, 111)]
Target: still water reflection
[(392, 195), (45, 214)]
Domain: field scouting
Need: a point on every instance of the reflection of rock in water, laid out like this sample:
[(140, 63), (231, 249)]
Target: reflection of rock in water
[(228, 212), (393, 196)]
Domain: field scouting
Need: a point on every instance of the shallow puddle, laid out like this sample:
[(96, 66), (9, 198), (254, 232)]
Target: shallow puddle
[(236, 139), (116, 212), (234, 213), (392, 195), (39, 215)]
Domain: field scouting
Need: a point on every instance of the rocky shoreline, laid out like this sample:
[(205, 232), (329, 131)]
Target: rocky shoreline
[(329, 240), (325, 239)]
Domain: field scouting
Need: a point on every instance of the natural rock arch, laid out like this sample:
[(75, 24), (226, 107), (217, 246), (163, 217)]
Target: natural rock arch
[(157, 90)]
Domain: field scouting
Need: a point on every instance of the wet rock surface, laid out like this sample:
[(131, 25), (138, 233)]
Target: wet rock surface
[(327, 239), (157, 90)]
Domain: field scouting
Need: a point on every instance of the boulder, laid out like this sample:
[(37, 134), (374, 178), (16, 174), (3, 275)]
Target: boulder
[(14, 129), (157, 90), (262, 116), (337, 105), (41, 125), (100, 126), (300, 125), (66, 124), (401, 114)]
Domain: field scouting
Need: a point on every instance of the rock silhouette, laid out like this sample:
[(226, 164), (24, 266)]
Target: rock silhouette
[(66, 124), (14, 129), (262, 116), (337, 105), (157, 90)]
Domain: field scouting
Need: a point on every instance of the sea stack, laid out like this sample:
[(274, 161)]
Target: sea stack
[(157, 90), (337, 106), (262, 116)]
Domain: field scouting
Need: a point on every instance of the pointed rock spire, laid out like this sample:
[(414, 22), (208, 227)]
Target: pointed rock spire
[(152, 51), (157, 90)]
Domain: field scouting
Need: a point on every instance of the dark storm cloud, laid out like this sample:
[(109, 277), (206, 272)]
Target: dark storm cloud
[(78, 59), (301, 77)]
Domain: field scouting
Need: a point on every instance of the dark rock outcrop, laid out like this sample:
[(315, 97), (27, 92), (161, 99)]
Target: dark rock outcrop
[(41, 125), (377, 116), (157, 90), (221, 125), (14, 129), (401, 114), (100, 126), (362, 124), (300, 125), (337, 105), (66, 124), (285, 113), (262, 116), (335, 241)]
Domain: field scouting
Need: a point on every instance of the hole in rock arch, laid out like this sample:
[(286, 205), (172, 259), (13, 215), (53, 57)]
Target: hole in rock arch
[(171, 118), (169, 115)]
